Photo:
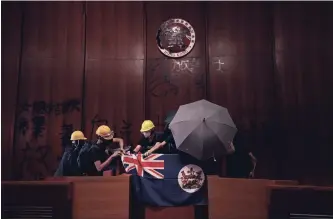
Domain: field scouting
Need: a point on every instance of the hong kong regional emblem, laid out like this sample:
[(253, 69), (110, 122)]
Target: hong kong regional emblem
[(175, 38), (191, 178)]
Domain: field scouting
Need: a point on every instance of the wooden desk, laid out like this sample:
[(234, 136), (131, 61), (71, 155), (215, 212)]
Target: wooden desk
[(300, 201), (99, 197), (231, 198), (185, 212), (36, 199), (69, 197)]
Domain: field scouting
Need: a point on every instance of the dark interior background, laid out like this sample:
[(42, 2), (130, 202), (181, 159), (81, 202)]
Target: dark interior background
[(75, 65)]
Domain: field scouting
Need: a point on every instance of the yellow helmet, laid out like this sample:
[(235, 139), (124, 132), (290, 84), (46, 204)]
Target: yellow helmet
[(77, 135), (147, 125), (105, 132)]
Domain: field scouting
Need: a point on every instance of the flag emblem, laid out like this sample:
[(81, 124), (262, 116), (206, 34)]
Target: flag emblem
[(191, 178)]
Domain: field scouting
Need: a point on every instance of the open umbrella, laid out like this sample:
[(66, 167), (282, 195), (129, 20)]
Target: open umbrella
[(203, 129)]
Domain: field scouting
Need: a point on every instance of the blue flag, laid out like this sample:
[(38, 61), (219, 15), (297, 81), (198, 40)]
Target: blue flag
[(166, 180)]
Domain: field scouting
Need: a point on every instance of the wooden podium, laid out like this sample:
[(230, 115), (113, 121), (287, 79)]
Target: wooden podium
[(36, 199), (68, 198), (300, 202), (231, 198), (101, 197)]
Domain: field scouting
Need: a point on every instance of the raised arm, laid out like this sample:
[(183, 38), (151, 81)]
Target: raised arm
[(137, 148), (120, 141)]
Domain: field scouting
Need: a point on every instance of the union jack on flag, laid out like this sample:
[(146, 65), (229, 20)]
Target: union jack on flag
[(151, 165)]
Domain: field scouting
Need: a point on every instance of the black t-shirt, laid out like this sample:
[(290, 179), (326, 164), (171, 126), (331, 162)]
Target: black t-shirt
[(167, 136), (148, 143), (170, 146), (96, 153)]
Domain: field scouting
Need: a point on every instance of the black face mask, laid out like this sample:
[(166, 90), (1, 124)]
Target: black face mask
[(103, 143), (77, 143), (106, 142)]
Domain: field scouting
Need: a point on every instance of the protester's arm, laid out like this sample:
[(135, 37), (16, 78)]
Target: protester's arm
[(157, 146), (160, 144), (120, 141), (100, 166), (137, 148), (254, 163), (253, 158), (231, 148)]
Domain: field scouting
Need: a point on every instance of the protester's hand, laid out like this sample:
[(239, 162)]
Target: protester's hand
[(115, 154), (232, 147), (147, 154)]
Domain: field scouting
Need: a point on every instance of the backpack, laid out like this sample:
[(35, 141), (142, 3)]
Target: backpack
[(83, 159), (68, 165)]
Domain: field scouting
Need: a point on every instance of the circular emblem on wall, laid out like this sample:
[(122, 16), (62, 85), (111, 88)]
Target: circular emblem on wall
[(175, 38), (191, 178)]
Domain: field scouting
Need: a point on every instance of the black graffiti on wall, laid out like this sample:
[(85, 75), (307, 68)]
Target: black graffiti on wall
[(66, 132), (40, 110), (23, 125), (38, 127), (34, 163), (160, 85), (42, 107), (32, 125)]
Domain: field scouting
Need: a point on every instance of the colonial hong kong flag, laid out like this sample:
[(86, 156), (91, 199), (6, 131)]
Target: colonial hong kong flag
[(151, 166), (166, 180)]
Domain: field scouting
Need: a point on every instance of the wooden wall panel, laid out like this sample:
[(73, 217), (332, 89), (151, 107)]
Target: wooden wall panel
[(11, 50), (114, 68), (241, 70), (276, 78), (112, 33), (303, 50), (50, 85), (173, 82)]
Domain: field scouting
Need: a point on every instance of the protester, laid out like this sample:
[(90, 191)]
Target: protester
[(242, 163), (99, 161), (150, 141), (68, 165)]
